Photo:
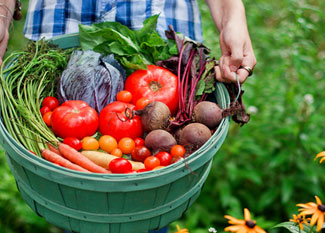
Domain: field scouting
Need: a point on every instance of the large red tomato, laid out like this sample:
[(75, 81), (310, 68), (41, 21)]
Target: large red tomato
[(155, 84), (117, 120), (74, 118)]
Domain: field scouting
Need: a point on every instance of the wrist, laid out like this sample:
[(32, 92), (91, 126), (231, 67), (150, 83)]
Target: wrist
[(225, 11)]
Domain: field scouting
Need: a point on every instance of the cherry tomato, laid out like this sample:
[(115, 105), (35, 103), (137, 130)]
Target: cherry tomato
[(116, 152), (176, 159), (156, 84), (126, 145), (164, 157), (47, 118), (74, 118), (90, 143), (124, 96), (73, 142), (151, 162), (177, 150), (44, 110), (142, 102), (117, 119), (108, 143), (50, 102), (140, 153), (139, 142), (120, 165)]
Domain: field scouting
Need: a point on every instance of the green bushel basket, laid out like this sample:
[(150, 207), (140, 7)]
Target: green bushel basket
[(112, 203)]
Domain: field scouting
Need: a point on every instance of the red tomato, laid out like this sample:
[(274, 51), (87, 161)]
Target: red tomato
[(151, 162), (47, 118), (74, 118), (124, 96), (140, 153), (44, 110), (120, 165), (139, 142), (50, 102), (164, 157), (117, 120), (73, 142), (155, 84)]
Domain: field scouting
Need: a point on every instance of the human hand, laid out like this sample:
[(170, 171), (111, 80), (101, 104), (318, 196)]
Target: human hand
[(230, 19), (236, 52)]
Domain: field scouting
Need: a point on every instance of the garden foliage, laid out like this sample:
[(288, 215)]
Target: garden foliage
[(267, 165)]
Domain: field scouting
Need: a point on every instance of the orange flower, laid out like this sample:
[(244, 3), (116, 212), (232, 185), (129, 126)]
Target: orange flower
[(317, 210), (243, 226), (322, 155), (185, 230), (300, 220)]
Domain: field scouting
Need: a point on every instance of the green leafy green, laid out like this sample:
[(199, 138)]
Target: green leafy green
[(206, 84), (133, 49), (293, 227)]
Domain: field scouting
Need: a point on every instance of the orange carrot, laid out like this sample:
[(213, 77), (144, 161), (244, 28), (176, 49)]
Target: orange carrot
[(104, 159), (53, 148), (58, 159), (78, 158)]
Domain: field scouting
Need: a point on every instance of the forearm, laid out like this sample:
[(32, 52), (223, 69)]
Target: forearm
[(7, 8), (223, 11)]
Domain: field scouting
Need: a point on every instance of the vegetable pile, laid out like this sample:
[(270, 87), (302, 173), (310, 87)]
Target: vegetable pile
[(78, 110)]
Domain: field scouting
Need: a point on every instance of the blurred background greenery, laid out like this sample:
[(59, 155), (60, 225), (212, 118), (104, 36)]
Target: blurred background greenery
[(266, 166)]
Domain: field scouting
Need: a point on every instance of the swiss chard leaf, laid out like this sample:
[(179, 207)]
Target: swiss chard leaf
[(133, 49)]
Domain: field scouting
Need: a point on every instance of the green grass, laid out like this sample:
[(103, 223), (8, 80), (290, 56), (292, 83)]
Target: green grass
[(267, 165)]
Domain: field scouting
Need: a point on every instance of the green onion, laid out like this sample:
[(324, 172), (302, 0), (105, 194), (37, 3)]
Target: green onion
[(26, 78)]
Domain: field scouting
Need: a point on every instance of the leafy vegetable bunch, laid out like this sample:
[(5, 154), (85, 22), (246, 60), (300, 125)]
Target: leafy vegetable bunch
[(133, 49)]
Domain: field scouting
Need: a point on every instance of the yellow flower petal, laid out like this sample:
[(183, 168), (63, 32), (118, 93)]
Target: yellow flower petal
[(321, 154), (259, 229), (322, 160), (320, 222), (233, 220), (307, 211), (313, 219), (247, 216), (234, 228), (318, 200), (244, 230), (301, 226), (307, 205)]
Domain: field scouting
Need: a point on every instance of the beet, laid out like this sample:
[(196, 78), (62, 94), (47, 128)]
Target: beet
[(207, 113), (159, 140), (193, 136), (155, 115)]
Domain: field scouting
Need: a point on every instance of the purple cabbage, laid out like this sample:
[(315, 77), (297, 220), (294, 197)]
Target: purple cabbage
[(91, 78)]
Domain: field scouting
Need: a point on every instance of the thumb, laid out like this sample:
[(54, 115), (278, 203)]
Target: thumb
[(236, 57)]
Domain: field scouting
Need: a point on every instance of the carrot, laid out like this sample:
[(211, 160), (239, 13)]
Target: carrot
[(103, 159), (78, 158), (61, 161), (53, 148)]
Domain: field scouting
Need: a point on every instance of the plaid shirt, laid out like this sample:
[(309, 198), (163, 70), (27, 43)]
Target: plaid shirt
[(48, 18)]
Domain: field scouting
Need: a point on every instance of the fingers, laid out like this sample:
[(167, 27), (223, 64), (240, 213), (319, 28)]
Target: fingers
[(236, 56), (249, 61), (223, 71)]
